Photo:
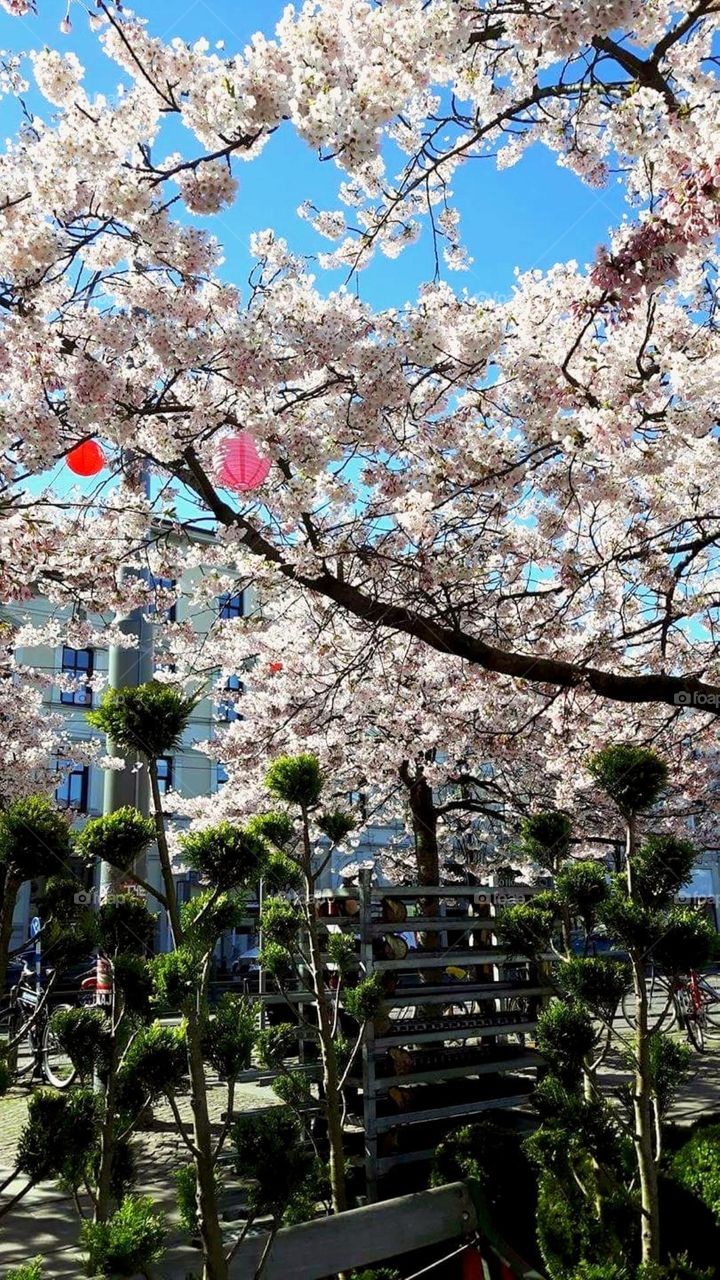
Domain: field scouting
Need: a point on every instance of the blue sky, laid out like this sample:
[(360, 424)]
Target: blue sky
[(530, 216)]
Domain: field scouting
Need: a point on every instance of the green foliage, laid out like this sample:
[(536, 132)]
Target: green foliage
[(125, 926), (293, 1089), (660, 867), (130, 1241), (545, 838), (630, 923), (632, 777), (582, 887), (526, 929), (336, 825), (177, 976), (28, 1271), (185, 1180), (277, 828), (270, 1152), (281, 922), (228, 855), (277, 962), (340, 948), (133, 979), (35, 840), (597, 981), (687, 941), (84, 1034), (6, 1075), (154, 1063), (313, 1190), (565, 1036), (671, 1065), (676, 1269), (148, 719), (274, 1044), (281, 874), (60, 1130), (206, 916), (696, 1166), (58, 897), (385, 1273), (119, 838), (295, 780), (229, 1036), (365, 1000)]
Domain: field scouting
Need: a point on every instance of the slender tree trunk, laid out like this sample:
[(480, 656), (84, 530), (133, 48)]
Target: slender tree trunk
[(9, 886), (643, 1113), (215, 1266), (103, 1201), (331, 1074), (427, 856)]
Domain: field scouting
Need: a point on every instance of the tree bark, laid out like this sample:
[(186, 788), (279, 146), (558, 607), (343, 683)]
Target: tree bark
[(215, 1266), (643, 1113), (331, 1075)]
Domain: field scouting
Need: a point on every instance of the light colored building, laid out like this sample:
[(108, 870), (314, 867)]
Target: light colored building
[(81, 785)]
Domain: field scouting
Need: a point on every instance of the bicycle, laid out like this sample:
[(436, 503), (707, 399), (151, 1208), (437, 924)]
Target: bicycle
[(31, 1046), (690, 1002)]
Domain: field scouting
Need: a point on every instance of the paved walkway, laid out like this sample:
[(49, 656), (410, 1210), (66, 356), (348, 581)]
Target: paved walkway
[(45, 1221)]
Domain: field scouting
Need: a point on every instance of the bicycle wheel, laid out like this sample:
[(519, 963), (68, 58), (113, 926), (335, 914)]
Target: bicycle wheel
[(711, 1004), (690, 1020), (57, 1066), (22, 1058)]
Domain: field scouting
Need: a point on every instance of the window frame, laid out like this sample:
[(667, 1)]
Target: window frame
[(227, 609), (83, 696), (81, 771)]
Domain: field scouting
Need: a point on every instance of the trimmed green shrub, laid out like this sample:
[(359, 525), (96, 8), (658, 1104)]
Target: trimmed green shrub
[(119, 838), (696, 1166), (632, 777), (295, 780), (149, 719), (130, 1241)]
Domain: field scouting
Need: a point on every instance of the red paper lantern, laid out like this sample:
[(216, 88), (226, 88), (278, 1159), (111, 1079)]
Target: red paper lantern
[(275, 666), (86, 459), (242, 467)]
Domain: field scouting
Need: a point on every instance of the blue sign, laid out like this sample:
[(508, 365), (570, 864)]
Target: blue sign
[(35, 926)]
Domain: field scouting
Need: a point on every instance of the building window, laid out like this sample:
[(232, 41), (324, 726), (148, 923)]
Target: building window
[(164, 774), (228, 706), (73, 790), (77, 663), (169, 611), (232, 606)]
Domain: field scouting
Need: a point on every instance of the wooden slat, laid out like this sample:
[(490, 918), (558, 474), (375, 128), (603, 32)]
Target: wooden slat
[(458, 1109), (523, 1062), (428, 960), (360, 1237)]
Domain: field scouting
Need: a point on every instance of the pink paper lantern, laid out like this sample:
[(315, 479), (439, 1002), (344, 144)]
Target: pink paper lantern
[(242, 467)]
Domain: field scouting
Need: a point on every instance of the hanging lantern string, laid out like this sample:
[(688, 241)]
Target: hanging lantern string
[(433, 1266)]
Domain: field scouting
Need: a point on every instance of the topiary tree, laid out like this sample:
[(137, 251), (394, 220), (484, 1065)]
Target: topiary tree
[(128, 1243), (588, 1154), (35, 840), (150, 721), (292, 943)]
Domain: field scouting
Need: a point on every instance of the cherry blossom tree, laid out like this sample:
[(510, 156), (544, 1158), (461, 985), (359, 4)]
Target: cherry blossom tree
[(526, 486)]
